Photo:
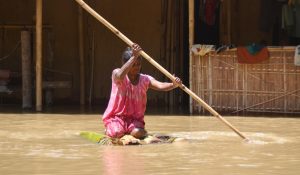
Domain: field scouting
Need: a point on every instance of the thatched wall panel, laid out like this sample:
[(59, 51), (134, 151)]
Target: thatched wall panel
[(228, 86)]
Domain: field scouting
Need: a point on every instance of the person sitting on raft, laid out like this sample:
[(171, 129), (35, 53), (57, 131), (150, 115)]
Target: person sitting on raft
[(124, 114)]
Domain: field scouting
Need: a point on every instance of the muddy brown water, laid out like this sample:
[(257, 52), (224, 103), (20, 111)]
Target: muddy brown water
[(50, 144)]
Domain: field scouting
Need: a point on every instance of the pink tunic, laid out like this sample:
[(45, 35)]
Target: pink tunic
[(126, 106)]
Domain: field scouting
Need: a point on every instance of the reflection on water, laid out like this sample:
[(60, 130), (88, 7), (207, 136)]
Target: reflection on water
[(50, 144), (118, 161)]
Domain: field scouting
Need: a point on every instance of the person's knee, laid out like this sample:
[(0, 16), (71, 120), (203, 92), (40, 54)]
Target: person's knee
[(115, 133), (138, 133)]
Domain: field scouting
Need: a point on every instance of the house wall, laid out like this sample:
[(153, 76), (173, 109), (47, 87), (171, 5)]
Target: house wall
[(139, 20), (231, 87), (142, 21), (244, 20)]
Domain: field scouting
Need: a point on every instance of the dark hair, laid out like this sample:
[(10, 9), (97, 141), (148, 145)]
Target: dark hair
[(127, 54)]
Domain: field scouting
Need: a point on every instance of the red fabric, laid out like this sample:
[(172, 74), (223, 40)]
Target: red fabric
[(118, 126), (244, 56)]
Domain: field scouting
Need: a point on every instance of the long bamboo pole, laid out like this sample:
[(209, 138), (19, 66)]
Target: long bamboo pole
[(159, 67)]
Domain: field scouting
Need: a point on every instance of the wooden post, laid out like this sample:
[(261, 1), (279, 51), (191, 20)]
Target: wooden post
[(39, 53), (81, 56), (26, 70), (209, 80), (237, 94), (245, 86), (285, 104), (201, 86), (191, 42)]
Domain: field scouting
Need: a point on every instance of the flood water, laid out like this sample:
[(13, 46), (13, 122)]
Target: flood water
[(49, 144)]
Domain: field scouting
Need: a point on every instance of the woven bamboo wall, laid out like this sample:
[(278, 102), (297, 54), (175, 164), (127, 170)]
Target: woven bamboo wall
[(227, 86)]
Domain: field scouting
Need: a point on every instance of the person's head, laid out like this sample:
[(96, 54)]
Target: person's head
[(127, 54), (136, 67)]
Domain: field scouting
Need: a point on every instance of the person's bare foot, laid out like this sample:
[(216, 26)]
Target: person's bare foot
[(129, 140)]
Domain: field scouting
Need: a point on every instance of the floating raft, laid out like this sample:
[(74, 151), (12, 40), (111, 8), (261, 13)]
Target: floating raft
[(102, 139)]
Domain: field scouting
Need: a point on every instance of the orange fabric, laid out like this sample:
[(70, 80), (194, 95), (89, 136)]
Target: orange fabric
[(244, 56)]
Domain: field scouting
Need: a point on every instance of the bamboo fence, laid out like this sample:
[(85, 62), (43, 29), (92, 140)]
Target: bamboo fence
[(228, 86)]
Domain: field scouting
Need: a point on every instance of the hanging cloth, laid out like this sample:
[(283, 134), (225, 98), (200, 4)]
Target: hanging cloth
[(252, 54)]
